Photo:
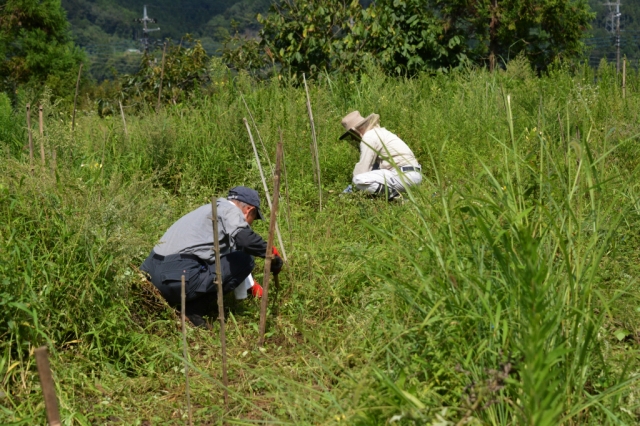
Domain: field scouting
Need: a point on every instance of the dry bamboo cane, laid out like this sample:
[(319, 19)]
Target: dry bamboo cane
[(41, 121), (624, 78), (269, 255), (183, 299), (48, 389), (314, 146), (264, 148), (54, 162), (286, 195), (223, 336), (124, 122), (30, 136), (266, 188), (75, 99), (164, 51)]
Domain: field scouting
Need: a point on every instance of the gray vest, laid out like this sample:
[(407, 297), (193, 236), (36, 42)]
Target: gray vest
[(193, 232)]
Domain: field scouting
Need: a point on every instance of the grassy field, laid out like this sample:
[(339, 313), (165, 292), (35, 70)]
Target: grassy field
[(501, 291)]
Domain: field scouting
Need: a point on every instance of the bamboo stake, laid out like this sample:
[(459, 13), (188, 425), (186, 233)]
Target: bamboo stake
[(269, 255), (41, 120), (104, 148), (286, 194), (223, 336), (164, 51), (48, 389), (266, 188), (264, 148), (314, 147), (184, 348), (624, 78), (124, 122), (75, 99), (30, 136), (54, 163)]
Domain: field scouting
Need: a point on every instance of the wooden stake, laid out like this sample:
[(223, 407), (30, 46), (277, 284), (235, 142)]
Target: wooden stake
[(223, 336), (314, 147), (41, 120), (184, 349), (164, 51), (75, 99), (269, 256), (124, 122), (624, 78), (48, 389), (266, 188), (30, 136)]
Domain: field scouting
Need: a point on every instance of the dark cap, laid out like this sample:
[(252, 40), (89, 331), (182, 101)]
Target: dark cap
[(246, 195)]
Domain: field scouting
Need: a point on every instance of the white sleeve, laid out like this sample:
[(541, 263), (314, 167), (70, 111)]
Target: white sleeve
[(368, 155)]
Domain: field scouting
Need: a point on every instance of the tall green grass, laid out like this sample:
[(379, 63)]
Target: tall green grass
[(501, 291)]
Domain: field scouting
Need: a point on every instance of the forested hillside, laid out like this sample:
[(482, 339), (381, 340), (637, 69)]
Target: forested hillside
[(107, 29), (109, 32)]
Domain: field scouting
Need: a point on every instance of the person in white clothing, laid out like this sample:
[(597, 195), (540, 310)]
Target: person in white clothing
[(387, 165)]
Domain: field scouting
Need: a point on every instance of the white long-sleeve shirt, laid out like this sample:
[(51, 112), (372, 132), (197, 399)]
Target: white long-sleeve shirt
[(387, 149)]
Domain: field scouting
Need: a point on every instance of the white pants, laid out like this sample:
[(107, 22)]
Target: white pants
[(373, 182), (241, 291)]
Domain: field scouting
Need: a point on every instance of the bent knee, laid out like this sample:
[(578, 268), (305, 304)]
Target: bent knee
[(361, 179)]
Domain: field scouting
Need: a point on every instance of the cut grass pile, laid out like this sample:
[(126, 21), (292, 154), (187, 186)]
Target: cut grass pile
[(501, 291)]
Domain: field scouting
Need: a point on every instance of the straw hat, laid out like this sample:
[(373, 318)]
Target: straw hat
[(354, 120)]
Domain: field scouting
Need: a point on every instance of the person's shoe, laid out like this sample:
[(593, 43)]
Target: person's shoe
[(198, 321), (393, 195)]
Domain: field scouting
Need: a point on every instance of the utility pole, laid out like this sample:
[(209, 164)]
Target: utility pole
[(613, 27), (145, 31)]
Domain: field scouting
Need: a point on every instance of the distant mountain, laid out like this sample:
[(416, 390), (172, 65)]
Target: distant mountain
[(108, 31)]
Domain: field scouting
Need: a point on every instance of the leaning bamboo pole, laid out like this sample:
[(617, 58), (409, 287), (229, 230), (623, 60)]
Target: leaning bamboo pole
[(264, 148), (314, 146), (30, 136), (164, 52), (269, 254), (48, 389), (266, 188), (124, 122), (223, 336), (41, 125), (75, 99)]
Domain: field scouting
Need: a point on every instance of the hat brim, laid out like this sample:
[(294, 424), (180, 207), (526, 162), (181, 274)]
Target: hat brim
[(353, 129), (345, 135), (260, 216), (350, 132)]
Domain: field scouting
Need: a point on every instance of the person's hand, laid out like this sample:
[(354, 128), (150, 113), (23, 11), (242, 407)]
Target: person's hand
[(256, 290), (276, 263)]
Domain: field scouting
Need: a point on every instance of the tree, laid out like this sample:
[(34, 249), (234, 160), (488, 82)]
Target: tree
[(311, 36), (411, 36), (544, 30), (36, 47), (185, 72)]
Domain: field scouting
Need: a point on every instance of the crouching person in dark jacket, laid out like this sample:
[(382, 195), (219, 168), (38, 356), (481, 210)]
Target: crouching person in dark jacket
[(187, 249)]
